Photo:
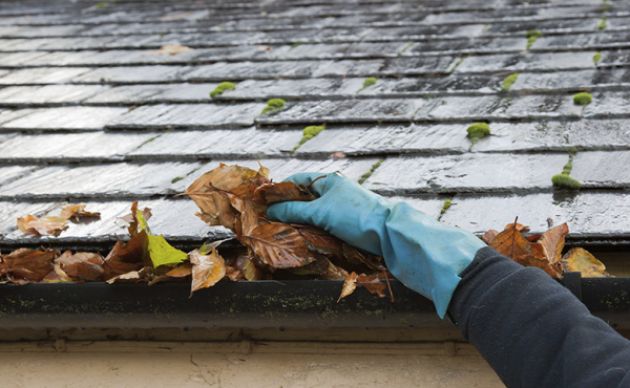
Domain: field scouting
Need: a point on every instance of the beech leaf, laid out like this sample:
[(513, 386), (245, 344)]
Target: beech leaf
[(77, 212), (45, 226), (207, 270), (553, 242), (279, 245), (580, 260), (28, 264), (348, 286)]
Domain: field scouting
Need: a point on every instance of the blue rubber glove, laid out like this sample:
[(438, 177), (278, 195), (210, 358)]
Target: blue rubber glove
[(424, 254)]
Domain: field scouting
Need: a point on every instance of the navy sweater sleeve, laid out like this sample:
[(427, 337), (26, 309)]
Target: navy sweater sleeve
[(533, 331)]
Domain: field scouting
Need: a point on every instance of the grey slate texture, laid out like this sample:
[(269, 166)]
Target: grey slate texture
[(91, 112)]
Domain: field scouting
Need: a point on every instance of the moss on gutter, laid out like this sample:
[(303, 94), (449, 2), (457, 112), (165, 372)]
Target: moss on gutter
[(368, 174)]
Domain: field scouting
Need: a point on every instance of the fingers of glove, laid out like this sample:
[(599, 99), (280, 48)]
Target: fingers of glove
[(292, 212), (306, 179)]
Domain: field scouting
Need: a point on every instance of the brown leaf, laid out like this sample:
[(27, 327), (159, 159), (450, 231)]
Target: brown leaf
[(348, 286), (245, 264), (372, 283), (553, 270), (132, 218), (127, 256), (511, 242), (279, 245), (28, 264), (489, 236), (534, 237), (284, 191), (129, 277), (180, 272), (169, 49), (207, 270), (77, 211), (45, 226), (553, 242), (580, 260), (81, 266)]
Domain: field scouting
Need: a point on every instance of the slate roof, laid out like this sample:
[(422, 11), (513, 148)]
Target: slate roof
[(90, 113)]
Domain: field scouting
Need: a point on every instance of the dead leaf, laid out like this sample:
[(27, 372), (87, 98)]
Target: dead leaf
[(178, 16), (45, 226), (553, 242), (348, 286), (284, 191), (169, 49), (77, 212), (372, 283), (489, 236), (129, 277), (207, 270), (81, 266), (127, 256), (279, 245), (580, 260), (178, 273), (28, 264)]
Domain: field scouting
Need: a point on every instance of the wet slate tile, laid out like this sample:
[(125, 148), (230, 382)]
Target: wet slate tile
[(64, 118), (572, 80), (41, 75), (129, 74), (588, 214), (45, 95), (466, 173), (10, 173), (42, 31), (467, 46), (608, 105), (397, 139), (345, 111), (189, 116), (602, 169), (219, 143), (529, 62), (556, 136), (547, 27), (117, 180), (600, 41), (283, 168), (138, 94), (84, 146)]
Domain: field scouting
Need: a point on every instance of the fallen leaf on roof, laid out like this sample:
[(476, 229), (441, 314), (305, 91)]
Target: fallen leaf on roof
[(76, 212), (169, 49), (544, 251), (178, 16), (45, 226)]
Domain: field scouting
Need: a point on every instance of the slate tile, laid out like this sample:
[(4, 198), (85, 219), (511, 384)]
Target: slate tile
[(608, 105), (572, 80), (283, 168), (602, 169), (587, 214), (251, 142), (345, 111), (600, 41), (41, 75), (467, 46), (547, 27), (70, 146), (41, 31), (418, 65), (21, 59), (556, 136), (64, 118), (432, 206), (189, 116), (9, 174), (51, 94), (394, 139), (118, 180), (137, 74), (138, 94), (530, 62), (466, 173)]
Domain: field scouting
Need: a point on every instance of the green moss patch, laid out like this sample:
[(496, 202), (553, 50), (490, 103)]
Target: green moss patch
[(565, 181), (582, 99), (445, 206), (101, 5), (273, 105), (596, 58), (307, 134), (222, 87), (508, 82), (368, 174), (603, 23), (367, 83), (477, 131), (532, 36)]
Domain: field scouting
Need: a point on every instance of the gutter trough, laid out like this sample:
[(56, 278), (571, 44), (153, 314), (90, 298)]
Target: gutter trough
[(255, 305)]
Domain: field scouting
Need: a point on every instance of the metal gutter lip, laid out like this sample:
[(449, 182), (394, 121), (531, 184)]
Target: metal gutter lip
[(254, 305)]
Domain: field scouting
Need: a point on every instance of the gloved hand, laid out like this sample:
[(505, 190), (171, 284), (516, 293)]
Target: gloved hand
[(424, 254)]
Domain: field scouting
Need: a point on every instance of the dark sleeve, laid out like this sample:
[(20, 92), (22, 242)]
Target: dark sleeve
[(533, 331)]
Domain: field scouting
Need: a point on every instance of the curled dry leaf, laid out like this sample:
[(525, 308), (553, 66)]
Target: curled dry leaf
[(129, 277), (207, 270), (180, 272), (77, 212), (80, 266), (45, 226), (279, 245), (348, 286), (553, 242)]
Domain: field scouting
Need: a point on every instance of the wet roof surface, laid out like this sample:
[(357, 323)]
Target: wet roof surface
[(91, 112)]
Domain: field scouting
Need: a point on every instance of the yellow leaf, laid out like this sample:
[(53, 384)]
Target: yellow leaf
[(580, 260), (207, 269)]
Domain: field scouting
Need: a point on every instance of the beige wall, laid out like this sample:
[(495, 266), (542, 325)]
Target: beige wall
[(87, 364)]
